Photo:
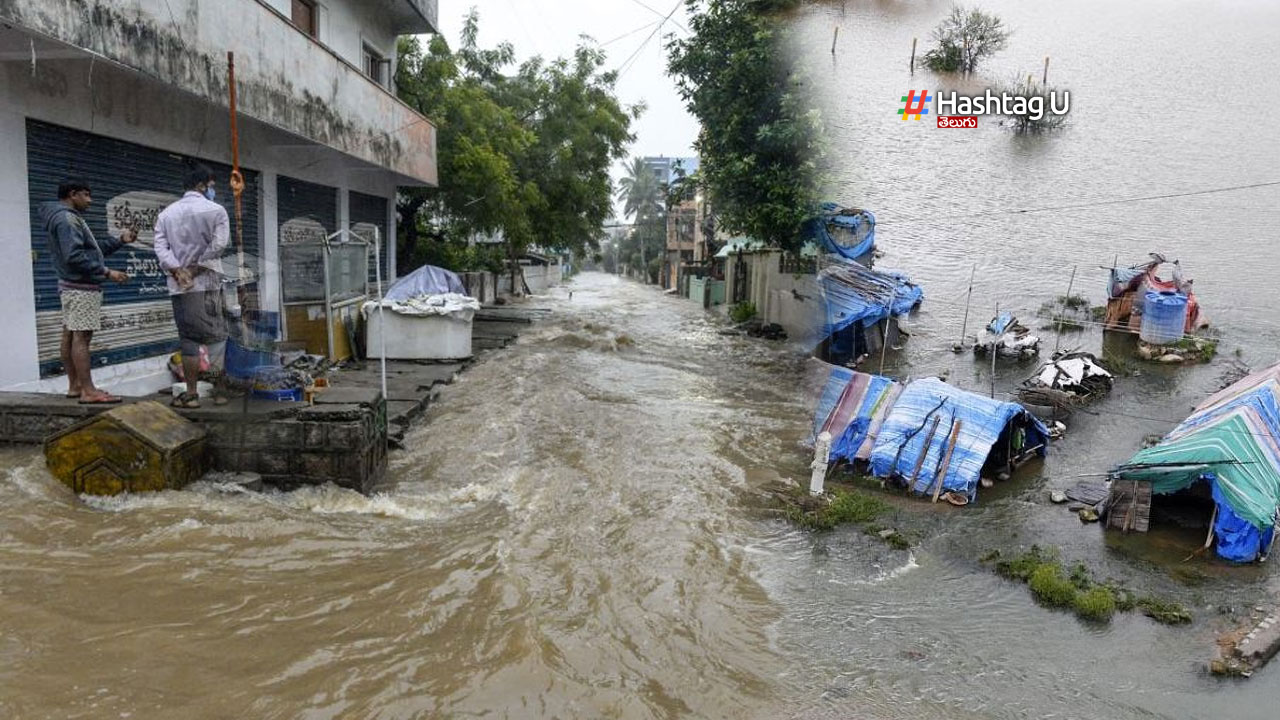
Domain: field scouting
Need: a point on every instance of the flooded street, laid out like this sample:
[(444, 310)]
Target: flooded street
[(563, 539), (575, 529)]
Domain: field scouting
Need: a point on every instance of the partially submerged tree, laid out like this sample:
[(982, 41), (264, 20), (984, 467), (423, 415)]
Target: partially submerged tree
[(965, 38), (1035, 116), (760, 140)]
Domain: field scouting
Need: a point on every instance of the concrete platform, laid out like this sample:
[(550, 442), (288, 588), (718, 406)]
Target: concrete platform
[(342, 438)]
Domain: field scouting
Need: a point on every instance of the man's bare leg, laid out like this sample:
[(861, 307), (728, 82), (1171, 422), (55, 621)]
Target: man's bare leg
[(69, 364), (191, 373), (80, 357)]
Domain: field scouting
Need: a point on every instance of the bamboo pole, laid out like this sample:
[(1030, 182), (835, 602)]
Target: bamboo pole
[(1070, 284), (964, 326), (946, 460), (237, 183), (924, 450), (1045, 82), (834, 37), (884, 343), (993, 356), (913, 55)]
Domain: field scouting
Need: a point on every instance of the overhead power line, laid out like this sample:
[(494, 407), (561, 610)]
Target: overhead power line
[(626, 64), (1088, 204), (657, 12)]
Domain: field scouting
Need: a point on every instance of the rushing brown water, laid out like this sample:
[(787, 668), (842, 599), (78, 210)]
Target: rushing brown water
[(567, 536), (562, 540)]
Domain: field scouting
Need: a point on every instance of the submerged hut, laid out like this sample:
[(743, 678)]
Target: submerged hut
[(1231, 444), (861, 310), (847, 232), (1127, 293), (925, 430), (851, 408)]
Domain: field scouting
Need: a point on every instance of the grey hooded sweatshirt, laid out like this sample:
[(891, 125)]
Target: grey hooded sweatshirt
[(78, 257)]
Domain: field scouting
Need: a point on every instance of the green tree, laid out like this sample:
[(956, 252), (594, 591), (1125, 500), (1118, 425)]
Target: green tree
[(965, 38), (760, 142), (644, 198), (522, 152)]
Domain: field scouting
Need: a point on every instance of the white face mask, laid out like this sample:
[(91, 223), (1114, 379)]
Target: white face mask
[(210, 193)]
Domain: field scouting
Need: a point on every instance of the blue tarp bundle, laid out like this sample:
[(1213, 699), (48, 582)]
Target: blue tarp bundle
[(854, 235), (901, 439), (851, 408), (852, 293), (1238, 540)]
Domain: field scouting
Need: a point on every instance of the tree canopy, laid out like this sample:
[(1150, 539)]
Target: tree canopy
[(645, 199), (760, 142), (523, 152), (964, 38)]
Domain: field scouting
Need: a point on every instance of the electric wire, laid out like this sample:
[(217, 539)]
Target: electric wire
[(628, 63)]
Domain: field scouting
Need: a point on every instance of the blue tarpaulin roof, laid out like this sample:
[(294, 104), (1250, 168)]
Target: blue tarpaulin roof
[(901, 438), (851, 408), (853, 293), (847, 232)]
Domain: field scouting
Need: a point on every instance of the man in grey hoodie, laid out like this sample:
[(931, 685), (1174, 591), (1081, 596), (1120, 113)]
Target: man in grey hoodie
[(80, 261)]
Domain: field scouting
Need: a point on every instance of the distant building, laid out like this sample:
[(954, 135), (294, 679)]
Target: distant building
[(668, 169), (123, 93)]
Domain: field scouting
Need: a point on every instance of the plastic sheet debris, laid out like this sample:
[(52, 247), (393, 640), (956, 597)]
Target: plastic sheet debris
[(450, 304)]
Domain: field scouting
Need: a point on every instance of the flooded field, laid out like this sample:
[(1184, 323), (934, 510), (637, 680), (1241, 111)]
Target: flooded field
[(1149, 83)]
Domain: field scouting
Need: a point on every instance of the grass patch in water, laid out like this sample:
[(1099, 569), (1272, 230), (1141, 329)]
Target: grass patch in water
[(842, 507), (1050, 587), (1163, 611), (854, 507), (1119, 365), (1096, 603), (1021, 567), (1077, 590), (1205, 348)]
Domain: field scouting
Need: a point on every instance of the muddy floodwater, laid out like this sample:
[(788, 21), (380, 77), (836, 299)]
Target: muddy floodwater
[(575, 532)]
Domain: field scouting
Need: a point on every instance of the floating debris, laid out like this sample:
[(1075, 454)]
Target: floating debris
[(1069, 381), (1009, 338)]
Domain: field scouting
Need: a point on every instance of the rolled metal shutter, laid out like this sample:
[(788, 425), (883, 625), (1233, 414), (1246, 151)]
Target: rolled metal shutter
[(372, 210), (137, 317), (299, 199)]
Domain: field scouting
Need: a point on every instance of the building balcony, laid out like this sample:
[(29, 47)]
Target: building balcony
[(284, 77)]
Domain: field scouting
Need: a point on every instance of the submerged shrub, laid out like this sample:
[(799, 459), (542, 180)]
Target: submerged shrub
[(1096, 603), (1051, 588), (855, 507)]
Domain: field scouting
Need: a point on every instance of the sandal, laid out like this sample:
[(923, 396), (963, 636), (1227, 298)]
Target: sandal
[(188, 400), (102, 399)]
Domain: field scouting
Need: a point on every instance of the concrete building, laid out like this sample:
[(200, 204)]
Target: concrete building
[(668, 169), (686, 245), (123, 92)]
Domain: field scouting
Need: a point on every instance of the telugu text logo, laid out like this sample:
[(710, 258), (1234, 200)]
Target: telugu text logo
[(915, 104)]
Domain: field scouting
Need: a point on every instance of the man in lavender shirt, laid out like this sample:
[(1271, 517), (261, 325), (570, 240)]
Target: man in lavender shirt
[(191, 235)]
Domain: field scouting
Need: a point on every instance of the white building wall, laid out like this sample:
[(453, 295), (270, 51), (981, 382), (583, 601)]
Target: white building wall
[(17, 292), (123, 105)]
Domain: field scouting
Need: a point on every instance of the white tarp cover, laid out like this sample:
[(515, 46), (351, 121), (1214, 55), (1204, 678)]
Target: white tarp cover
[(426, 280), (1069, 372), (455, 305)]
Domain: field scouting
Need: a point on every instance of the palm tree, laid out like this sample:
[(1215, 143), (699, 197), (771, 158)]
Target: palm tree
[(643, 197)]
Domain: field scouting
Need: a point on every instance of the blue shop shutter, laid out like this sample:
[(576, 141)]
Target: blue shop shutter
[(114, 168)]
